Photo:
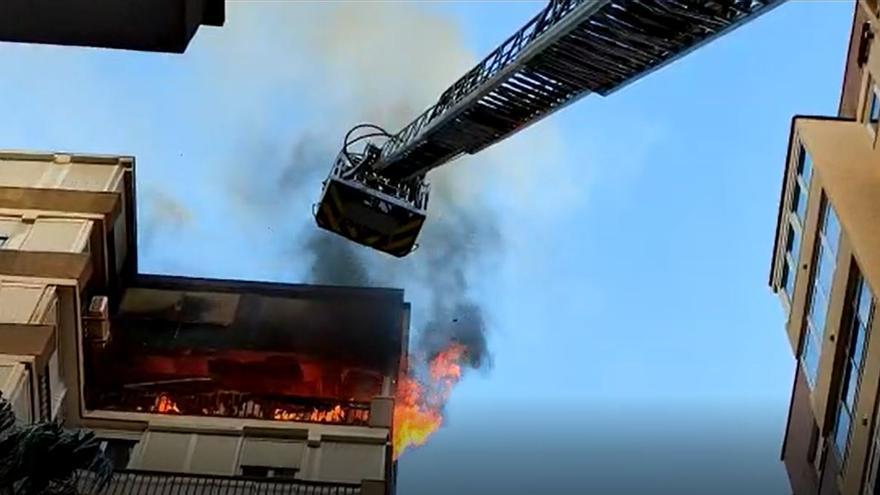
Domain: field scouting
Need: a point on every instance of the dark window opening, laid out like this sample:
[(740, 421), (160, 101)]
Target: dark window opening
[(814, 445), (865, 44), (787, 281), (874, 109), (255, 471), (268, 472), (805, 166), (118, 451), (875, 490), (3, 240)]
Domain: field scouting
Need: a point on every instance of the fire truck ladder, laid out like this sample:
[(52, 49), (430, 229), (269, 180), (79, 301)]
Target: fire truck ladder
[(570, 49)]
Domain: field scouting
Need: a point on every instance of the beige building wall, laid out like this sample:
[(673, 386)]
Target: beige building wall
[(53, 205), (846, 172), (59, 171), (15, 384), (67, 221)]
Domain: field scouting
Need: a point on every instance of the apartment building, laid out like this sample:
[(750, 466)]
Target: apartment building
[(826, 270), (197, 385)]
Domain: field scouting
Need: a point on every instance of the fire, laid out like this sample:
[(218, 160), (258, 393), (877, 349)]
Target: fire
[(165, 405), (335, 415), (418, 407)]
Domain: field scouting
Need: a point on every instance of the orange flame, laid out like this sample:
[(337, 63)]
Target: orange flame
[(417, 408), (165, 405), (335, 415)]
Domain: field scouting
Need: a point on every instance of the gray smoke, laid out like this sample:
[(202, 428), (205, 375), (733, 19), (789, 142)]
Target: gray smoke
[(163, 212), (336, 261), (393, 62), (439, 271)]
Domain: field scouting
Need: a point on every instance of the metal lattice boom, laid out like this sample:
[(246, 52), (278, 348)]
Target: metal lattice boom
[(570, 49)]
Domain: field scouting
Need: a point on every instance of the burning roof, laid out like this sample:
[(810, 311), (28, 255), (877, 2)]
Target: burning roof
[(248, 350)]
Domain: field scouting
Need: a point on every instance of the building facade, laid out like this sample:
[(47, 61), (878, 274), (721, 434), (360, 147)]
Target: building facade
[(209, 385), (826, 270)]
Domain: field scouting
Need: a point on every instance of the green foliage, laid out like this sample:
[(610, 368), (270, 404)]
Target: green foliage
[(46, 459)]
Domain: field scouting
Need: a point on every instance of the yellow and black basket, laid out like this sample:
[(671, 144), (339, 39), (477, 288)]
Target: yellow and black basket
[(369, 217)]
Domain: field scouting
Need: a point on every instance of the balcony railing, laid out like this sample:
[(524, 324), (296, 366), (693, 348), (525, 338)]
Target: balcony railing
[(238, 405), (125, 482)]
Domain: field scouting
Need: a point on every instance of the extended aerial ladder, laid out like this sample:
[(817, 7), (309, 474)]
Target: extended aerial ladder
[(376, 193)]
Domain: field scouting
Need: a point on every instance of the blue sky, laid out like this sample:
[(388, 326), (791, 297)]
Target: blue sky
[(627, 299)]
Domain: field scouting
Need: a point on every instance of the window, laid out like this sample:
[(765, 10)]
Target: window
[(825, 263), (805, 165), (861, 308), (813, 449), (118, 451), (268, 472), (872, 109), (796, 218), (794, 240), (3, 240), (873, 481), (799, 202), (865, 43)]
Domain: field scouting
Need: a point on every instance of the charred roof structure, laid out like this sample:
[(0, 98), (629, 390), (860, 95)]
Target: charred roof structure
[(144, 25), (246, 349)]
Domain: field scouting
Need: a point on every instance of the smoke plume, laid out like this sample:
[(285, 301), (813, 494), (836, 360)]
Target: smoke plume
[(393, 62), (164, 213)]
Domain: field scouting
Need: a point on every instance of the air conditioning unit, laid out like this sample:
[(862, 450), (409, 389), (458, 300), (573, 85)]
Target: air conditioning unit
[(97, 320)]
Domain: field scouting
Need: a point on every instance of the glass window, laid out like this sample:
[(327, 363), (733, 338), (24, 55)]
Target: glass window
[(858, 343), (841, 434), (794, 243), (850, 385), (825, 270), (858, 339), (799, 203), (865, 303), (805, 166), (811, 359), (818, 309), (788, 279), (831, 229), (874, 108)]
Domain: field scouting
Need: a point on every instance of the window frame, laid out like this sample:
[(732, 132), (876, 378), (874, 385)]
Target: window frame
[(858, 284), (112, 447), (814, 337), (872, 106), (798, 185)]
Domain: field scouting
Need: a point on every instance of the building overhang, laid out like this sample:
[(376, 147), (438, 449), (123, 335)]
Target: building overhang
[(35, 340), (144, 25), (74, 267), (106, 208), (848, 166)]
